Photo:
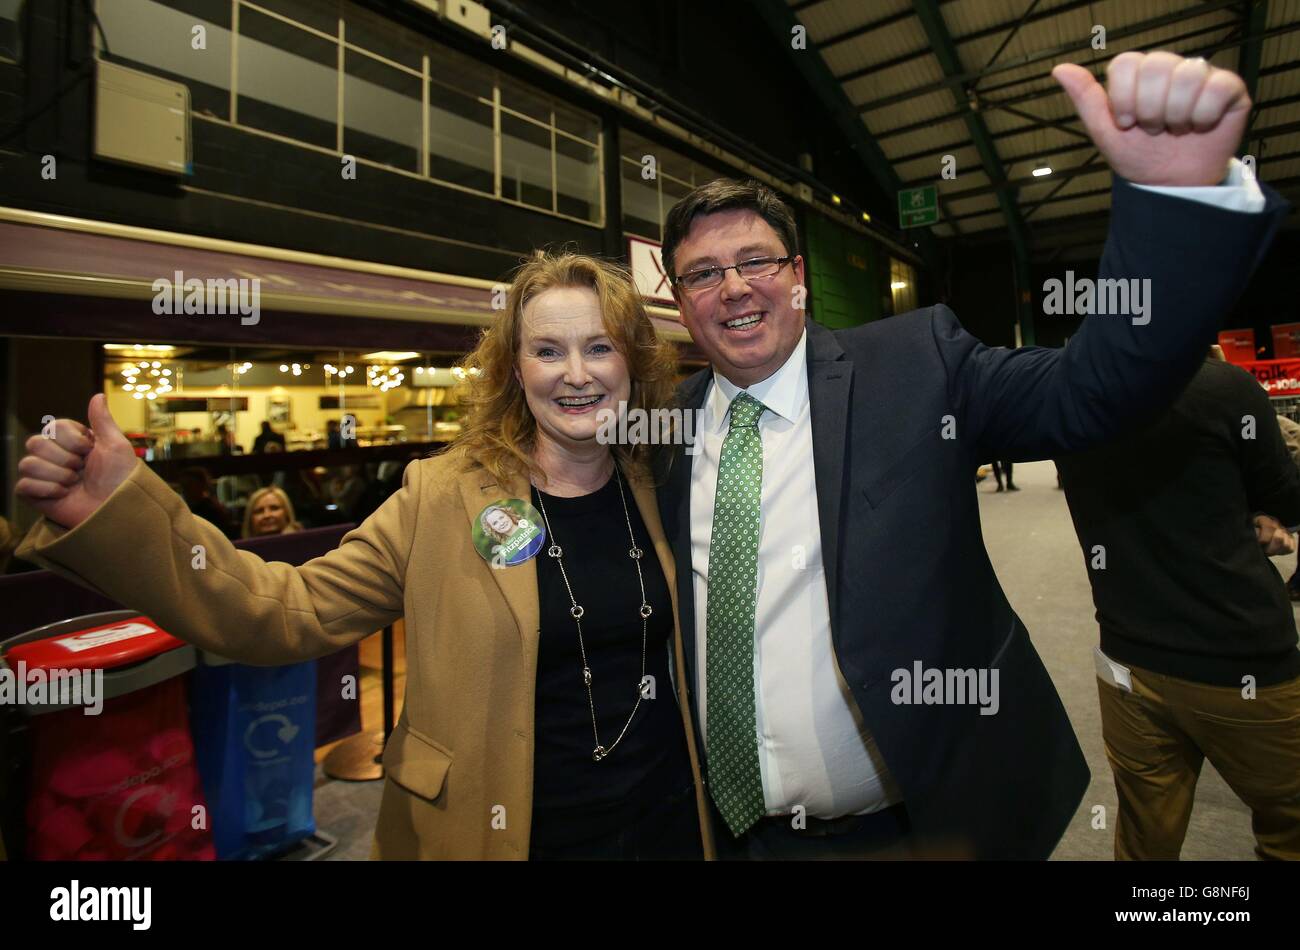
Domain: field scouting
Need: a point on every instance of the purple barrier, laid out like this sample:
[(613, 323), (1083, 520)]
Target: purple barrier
[(36, 598)]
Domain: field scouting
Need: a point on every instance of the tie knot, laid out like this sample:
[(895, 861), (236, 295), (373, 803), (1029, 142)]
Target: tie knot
[(745, 410)]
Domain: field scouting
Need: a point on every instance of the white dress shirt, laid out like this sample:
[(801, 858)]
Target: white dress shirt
[(813, 748)]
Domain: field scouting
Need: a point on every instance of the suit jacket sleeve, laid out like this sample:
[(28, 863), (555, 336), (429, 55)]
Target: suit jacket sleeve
[(139, 549), (1034, 402)]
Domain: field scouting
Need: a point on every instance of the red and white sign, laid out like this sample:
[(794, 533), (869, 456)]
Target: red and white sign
[(1238, 345), (1279, 377), (108, 646), (647, 263), (1286, 340)]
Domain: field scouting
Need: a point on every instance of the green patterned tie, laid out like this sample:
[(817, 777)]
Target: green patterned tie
[(734, 776)]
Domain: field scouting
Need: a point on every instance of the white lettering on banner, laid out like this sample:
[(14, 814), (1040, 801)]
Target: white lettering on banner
[(95, 638)]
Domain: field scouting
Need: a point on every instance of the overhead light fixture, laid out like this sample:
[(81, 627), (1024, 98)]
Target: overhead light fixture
[(141, 347), (835, 200), (389, 356), (866, 217), (898, 285), (1042, 171)]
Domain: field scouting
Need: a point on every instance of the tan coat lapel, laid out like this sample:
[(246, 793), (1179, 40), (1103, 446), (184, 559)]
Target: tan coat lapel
[(518, 584)]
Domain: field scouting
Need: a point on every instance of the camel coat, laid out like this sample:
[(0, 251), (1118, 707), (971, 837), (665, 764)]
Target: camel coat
[(459, 765)]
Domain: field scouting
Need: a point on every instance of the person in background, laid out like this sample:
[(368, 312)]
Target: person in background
[(333, 435), (196, 489), (268, 437), (999, 468), (226, 440), (269, 511), (1291, 437), (1198, 654), (346, 488)]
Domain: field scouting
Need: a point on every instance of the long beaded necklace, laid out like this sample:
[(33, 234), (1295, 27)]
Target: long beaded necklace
[(576, 611)]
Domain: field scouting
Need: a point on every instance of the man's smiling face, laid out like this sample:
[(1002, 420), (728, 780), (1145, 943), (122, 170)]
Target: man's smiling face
[(747, 328)]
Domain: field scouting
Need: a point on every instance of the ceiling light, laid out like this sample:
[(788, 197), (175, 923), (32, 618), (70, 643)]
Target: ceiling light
[(897, 285), (390, 356), (1042, 171)]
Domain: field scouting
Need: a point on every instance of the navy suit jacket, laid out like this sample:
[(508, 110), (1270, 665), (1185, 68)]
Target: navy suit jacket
[(907, 574)]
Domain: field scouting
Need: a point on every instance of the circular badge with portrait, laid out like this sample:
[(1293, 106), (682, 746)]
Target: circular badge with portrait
[(508, 532)]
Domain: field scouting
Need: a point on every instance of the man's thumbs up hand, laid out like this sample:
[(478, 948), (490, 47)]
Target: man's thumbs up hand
[(1163, 119), (70, 470)]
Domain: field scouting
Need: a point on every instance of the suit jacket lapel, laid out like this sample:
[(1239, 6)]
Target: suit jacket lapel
[(830, 379), (676, 509), (518, 584)]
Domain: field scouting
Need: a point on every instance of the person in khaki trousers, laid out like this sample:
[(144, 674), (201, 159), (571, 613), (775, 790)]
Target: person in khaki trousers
[(1198, 655), (544, 716)]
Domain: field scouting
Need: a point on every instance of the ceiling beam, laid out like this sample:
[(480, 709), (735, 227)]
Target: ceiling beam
[(936, 31), (1041, 126), (780, 22), (960, 78), (1053, 90), (963, 39), (998, 186)]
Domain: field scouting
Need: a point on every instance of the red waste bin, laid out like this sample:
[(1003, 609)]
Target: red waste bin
[(120, 783)]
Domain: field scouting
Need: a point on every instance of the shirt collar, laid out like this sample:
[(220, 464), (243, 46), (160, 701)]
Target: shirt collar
[(784, 392)]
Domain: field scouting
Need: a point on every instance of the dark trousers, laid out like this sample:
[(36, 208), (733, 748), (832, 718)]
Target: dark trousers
[(881, 836), (668, 832), (1002, 467)]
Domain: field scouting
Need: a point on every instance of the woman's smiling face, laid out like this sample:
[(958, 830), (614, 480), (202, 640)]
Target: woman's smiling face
[(568, 365)]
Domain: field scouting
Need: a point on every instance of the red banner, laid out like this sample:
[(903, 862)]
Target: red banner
[(1279, 377), (1238, 345)]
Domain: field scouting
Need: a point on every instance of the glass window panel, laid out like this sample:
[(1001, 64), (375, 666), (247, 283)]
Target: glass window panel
[(381, 112), (320, 15), (287, 80), (640, 202), (523, 100), (586, 127), (460, 139), (10, 41), (525, 162), (379, 35), (157, 39), (577, 179), (459, 72), (673, 191)]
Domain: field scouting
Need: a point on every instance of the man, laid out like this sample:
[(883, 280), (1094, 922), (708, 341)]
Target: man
[(1198, 654), (821, 601)]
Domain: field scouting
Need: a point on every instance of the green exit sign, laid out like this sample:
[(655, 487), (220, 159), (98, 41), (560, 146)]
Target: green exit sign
[(918, 207)]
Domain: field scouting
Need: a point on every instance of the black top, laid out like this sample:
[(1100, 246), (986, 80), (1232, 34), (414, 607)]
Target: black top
[(575, 798), (1186, 590)]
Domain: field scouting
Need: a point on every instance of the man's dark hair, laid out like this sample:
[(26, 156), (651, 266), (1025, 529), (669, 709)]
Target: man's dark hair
[(727, 194)]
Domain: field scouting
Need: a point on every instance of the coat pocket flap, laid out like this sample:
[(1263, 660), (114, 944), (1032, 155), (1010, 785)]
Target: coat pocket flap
[(417, 764)]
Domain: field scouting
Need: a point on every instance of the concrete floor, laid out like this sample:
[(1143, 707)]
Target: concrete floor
[(1033, 547)]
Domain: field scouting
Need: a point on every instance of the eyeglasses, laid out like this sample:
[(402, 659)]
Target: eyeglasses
[(707, 278)]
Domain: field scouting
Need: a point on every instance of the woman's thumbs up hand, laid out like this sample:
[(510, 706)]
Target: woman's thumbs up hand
[(70, 470)]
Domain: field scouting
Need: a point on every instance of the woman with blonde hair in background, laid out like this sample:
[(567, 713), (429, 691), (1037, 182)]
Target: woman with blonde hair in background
[(541, 719), (269, 511)]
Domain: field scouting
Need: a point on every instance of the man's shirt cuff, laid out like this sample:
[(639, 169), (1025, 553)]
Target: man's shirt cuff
[(1238, 192)]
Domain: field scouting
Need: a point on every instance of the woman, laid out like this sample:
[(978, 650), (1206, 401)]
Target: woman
[(269, 511), (521, 734)]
